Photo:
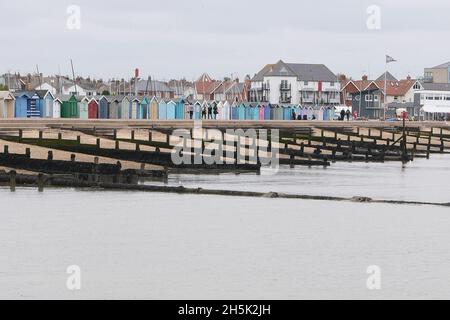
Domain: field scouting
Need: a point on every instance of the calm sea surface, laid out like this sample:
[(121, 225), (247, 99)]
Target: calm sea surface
[(167, 246)]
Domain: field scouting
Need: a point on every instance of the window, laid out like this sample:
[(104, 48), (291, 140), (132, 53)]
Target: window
[(375, 98), (416, 86), (306, 95), (306, 83), (369, 97), (331, 84), (357, 98)]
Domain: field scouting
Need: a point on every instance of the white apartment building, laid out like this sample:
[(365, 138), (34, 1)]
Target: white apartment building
[(434, 101), (293, 83)]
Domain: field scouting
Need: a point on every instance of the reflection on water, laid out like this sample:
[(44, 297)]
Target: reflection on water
[(421, 180), (168, 246)]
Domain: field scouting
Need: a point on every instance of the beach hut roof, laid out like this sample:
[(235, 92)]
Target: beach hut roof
[(27, 94), (44, 93), (6, 95)]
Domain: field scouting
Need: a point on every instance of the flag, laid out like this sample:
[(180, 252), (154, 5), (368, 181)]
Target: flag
[(390, 59)]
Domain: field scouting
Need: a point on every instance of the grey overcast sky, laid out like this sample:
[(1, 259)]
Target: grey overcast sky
[(179, 38)]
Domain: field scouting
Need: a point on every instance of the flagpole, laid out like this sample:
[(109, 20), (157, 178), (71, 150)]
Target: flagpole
[(385, 89)]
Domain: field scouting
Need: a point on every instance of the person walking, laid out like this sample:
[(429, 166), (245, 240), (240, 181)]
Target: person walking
[(204, 112), (215, 112), (209, 112), (342, 115), (348, 114), (294, 115), (191, 111)]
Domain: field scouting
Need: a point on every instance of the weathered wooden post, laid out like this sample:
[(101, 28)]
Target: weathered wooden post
[(115, 134), (50, 156), (132, 134), (40, 182), (149, 135), (292, 160), (20, 135), (117, 144), (302, 148), (72, 157), (12, 180), (6, 149), (28, 152), (138, 147), (309, 161), (41, 135), (98, 143), (79, 139), (59, 136), (442, 145), (333, 154)]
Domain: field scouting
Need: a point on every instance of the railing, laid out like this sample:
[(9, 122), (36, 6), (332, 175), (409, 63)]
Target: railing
[(285, 87)]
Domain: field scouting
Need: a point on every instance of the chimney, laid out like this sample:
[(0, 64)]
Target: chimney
[(408, 78), (364, 78)]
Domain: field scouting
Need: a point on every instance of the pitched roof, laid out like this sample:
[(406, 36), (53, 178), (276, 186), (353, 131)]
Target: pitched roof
[(397, 88), (6, 95), (442, 66), (153, 86), (389, 77), (436, 86), (303, 71), (393, 88), (205, 85)]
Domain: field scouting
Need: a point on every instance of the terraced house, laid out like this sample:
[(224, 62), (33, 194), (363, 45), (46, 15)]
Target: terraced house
[(295, 83), (367, 97)]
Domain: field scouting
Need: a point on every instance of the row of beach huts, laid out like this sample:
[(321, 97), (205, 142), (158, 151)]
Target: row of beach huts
[(43, 104)]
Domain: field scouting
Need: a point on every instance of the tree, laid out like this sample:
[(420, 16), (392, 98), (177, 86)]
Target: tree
[(3, 87), (105, 93)]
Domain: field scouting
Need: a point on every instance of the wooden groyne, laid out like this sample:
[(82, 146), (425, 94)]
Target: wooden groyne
[(12, 179), (151, 143)]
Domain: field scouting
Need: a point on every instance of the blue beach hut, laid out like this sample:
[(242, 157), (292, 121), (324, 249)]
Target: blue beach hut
[(171, 110)]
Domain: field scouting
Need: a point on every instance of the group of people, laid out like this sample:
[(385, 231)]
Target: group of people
[(345, 115), (209, 112), (299, 117)]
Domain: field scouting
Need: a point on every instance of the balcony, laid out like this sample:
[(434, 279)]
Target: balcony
[(285, 100), (285, 87)]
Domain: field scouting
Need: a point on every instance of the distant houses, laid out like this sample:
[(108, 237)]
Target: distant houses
[(368, 99), (295, 83)]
